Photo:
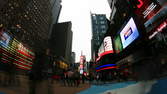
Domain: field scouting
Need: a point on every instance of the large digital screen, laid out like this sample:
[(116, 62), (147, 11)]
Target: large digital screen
[(118, 44), (129, 33), (4, 38)]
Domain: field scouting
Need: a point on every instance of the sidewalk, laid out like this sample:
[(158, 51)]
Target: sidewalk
[(59, 89), (44, 88), (21, 87)]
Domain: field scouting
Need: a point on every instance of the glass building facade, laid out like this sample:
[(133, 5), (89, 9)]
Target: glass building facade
[(99, 28)]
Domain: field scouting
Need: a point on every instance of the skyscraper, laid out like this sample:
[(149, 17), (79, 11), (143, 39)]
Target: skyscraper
[(73, 56), (28, 21), (61, 40), (56, 8), (99, 28)]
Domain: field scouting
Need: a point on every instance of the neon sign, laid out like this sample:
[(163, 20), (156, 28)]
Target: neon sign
[(149, 9), (159, 29), (107, 68), (141, 4), (162, 26), (146, 9), (17, 54), (107, 65)]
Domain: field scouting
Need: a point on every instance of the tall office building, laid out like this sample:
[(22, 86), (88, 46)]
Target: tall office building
[(56, 8), (24, 31), (28, 21), (2, 3), (73, 56), (61, 40), (99, 28)]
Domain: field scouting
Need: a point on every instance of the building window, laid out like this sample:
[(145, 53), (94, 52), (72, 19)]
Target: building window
[(103, 27), (101, 18), (102, 22), (103, 31)]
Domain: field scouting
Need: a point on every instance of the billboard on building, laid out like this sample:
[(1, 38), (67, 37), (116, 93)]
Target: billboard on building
[(108, 44), (117, 44), (146, 9), (129, 33), (4, 38), (17, 54), (105, 48)]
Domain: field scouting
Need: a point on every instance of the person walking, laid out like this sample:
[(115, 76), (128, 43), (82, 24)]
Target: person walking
[(76, 78), (70, 75)]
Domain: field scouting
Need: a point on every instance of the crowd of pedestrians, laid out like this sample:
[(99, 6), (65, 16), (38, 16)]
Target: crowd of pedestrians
[(71, 78)]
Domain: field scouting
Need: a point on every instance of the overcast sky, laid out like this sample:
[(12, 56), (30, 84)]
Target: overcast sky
[(78, 12)]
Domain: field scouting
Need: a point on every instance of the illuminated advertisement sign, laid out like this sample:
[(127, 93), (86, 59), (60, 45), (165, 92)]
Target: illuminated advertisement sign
[(129, 33), (147, 9), (82, 61), (105, 48), (118, 44), (108, 44), (81, 71), (159, 29), (105, 67), (152, 23), (81, 66), (15, 54), (4, 38), (161, 26)]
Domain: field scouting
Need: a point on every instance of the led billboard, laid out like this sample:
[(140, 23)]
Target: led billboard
[(129, 33), (108, 44), (117, 44), (105, 48), (17, 54), (4, 39)]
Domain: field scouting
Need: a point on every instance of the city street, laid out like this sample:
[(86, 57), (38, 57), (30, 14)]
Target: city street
[(83, 46), (55, 88), (127, 87)]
